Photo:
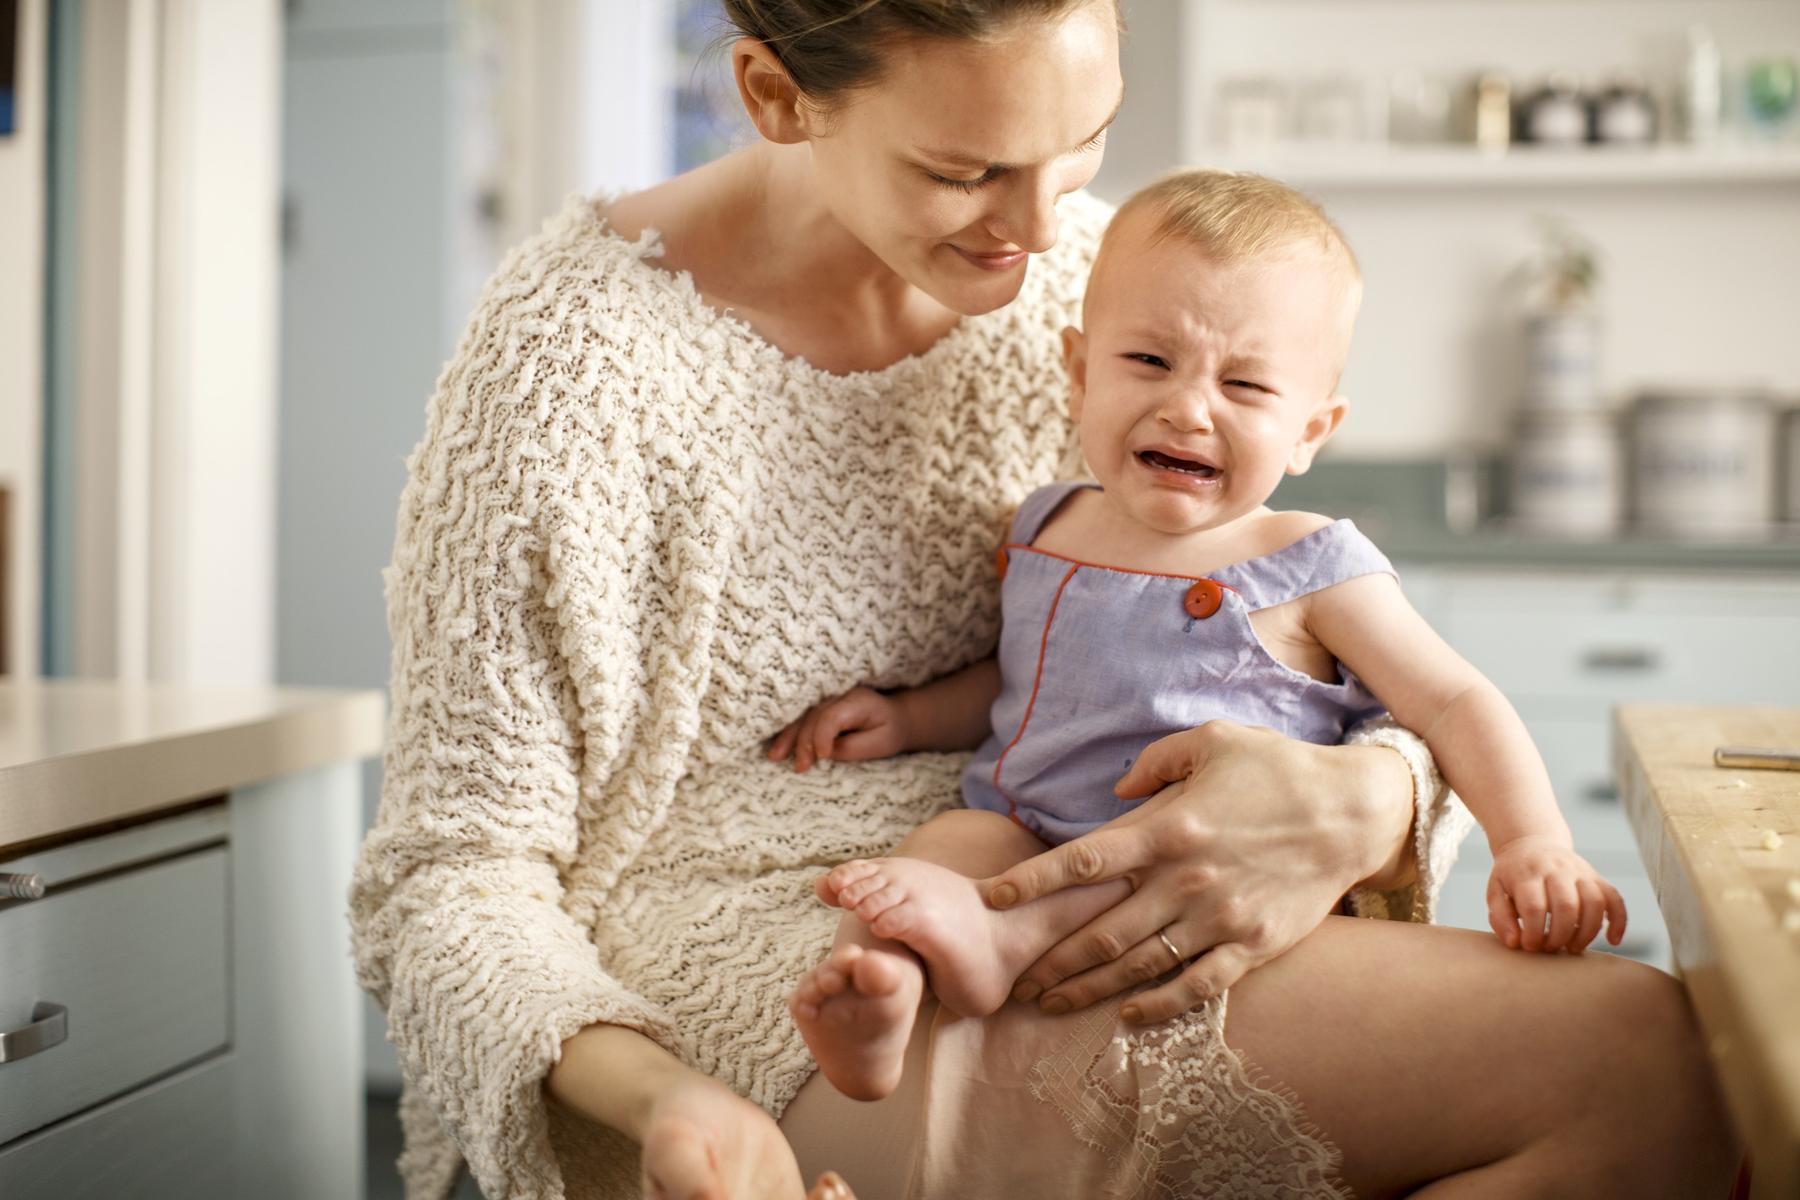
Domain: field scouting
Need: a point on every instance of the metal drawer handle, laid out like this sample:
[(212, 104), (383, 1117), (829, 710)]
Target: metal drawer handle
[(21, 887), (1621, 658), (49, 1027), (1601, 792)]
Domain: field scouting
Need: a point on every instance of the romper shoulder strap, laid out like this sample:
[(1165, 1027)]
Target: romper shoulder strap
[(1324, 557), (1037, 508)]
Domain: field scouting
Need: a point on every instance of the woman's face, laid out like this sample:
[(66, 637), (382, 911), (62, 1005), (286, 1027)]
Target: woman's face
[(949, 168)]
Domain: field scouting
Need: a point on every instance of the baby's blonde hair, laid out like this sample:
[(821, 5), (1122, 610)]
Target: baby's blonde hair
[(1237, 217)]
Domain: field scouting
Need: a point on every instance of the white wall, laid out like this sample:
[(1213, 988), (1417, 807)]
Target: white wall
[(176, 227), (22, 182)]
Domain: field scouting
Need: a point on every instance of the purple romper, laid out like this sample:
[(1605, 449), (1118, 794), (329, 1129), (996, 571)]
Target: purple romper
[(1098, 662)]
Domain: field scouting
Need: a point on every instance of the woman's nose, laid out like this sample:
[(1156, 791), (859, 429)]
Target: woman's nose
[(1029, 218)]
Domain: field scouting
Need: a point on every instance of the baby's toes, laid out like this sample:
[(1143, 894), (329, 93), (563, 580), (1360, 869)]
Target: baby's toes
[(855, 892), (845, 874), (871, 908), (830, 980), (806, 1000)]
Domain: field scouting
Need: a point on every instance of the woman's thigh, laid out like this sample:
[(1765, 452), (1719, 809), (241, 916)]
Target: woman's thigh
[(1423, 1051)]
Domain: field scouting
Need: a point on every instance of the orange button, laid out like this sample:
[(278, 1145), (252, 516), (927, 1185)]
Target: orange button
[(1203, 599), (1000, 561)]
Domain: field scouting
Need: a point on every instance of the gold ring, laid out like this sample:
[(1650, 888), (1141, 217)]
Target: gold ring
[(1171, 945)]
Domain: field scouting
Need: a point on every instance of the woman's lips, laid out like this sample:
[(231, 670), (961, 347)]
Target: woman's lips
[(993, 262)]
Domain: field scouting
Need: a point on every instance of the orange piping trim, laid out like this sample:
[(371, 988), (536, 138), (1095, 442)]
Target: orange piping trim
[(1012, 809), (1116, 570)]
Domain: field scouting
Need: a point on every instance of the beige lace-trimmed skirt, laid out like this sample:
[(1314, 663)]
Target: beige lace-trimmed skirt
[(1026, 1105)]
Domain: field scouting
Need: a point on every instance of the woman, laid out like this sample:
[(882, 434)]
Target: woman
[(717, 450)]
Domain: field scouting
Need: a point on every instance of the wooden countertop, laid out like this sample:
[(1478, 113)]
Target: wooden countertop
[(81, 753), (1730, 893)]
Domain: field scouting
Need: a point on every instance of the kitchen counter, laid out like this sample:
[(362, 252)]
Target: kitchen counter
[(181, 1014), (77, 753), (1722, 849), (1401, 505)]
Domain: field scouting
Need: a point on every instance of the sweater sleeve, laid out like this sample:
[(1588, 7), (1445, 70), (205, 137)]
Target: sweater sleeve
[(458, 926), (1440, 823)]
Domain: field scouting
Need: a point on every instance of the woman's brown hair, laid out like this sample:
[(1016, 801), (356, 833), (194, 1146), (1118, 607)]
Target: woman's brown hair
[(830, 47)]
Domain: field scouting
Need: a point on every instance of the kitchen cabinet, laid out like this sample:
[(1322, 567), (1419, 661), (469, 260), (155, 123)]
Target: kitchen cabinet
[(178, 1014), (1568, 646)]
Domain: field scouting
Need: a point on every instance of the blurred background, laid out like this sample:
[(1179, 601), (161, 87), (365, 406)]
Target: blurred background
[(238, 240)]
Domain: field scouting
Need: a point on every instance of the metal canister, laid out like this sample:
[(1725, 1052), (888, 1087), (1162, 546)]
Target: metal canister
[(1562, 361), (1565, 474), (1703, 462)]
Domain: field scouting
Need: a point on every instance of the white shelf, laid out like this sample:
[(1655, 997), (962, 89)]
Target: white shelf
[(1382, 166)]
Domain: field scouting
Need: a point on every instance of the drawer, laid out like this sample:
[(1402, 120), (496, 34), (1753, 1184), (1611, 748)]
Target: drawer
[(1633, 657), (138, 958), (172, 1138), (1609, 640)]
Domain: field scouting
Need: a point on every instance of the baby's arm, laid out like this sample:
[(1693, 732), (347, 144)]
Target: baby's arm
[(949, 713), (1485, 753)]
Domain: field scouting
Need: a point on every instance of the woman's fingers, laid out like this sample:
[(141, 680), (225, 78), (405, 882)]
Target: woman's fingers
[(1206, 977), (1169, 760), (1103, 944), (1147, 960), (1106, 853), (831, 1186), (678, 1166)]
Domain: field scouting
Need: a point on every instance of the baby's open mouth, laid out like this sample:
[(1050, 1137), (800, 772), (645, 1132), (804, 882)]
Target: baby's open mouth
[(1186, 466)]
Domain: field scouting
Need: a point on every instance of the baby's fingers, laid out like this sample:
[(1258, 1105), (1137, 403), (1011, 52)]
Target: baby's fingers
[(805, 739), (783, 744), (1502, 916), (1593, 914), (1615, 913), (837, 716), (1565, 912)]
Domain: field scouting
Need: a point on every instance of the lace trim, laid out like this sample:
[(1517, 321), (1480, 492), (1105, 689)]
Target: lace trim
[(1180, 1117)]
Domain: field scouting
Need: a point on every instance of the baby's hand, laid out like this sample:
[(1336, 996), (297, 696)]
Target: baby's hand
[(859, 725), (1535, 876)]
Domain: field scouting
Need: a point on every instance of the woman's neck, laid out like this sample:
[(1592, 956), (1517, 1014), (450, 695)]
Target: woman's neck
[(756, 239)]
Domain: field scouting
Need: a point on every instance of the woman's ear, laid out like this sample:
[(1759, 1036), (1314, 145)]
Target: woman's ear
[(1074, 345), (774, 103), (1317, 431)]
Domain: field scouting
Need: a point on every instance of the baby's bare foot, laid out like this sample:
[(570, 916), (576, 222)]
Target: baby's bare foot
[(855, 1011), (941, 916)]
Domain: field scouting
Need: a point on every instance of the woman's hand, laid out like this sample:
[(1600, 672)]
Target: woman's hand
[(704, 1142), (857, 726), (1256, 842), (699, 1138)]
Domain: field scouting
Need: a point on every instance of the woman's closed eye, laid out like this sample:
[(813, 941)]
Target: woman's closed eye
[(995, 172), (968, 185)]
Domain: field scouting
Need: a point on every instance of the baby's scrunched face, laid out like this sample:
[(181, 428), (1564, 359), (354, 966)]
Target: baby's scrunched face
[(1198, 384)]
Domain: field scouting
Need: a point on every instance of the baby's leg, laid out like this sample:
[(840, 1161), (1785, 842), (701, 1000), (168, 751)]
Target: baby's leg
[(856, 1009), (930, 897)]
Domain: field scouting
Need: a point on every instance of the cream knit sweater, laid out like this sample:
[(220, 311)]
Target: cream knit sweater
[(635, 541)]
